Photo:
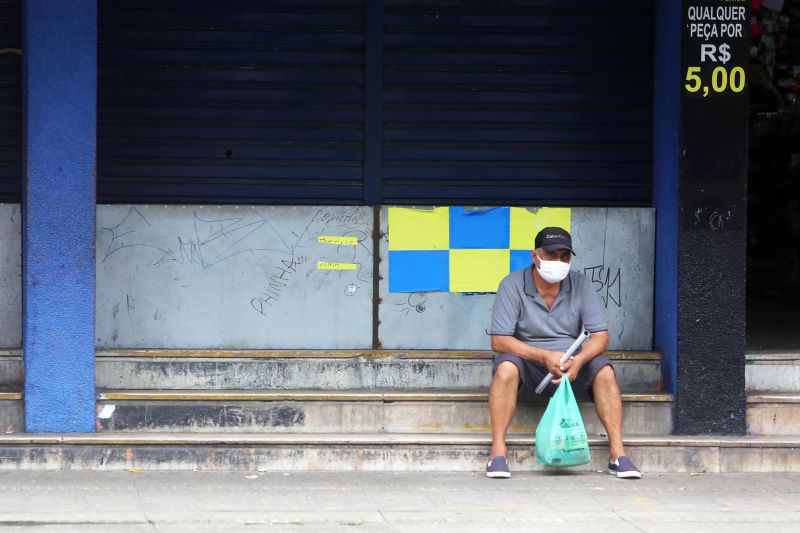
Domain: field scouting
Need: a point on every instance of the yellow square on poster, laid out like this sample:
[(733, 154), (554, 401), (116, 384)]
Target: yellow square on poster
[(419, 229), (478, 270), (525, 224)]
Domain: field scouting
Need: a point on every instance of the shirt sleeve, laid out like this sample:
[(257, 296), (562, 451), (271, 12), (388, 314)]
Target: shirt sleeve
[(506, 310), (593, 312)]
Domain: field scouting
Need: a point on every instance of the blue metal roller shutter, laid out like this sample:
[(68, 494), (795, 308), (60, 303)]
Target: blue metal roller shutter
[(240, 101), (539, 102), (10, 101)]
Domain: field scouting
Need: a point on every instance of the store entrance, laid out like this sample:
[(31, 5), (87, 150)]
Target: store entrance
[(773, 233)]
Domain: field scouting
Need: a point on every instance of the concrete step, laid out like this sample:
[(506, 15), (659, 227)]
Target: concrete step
[(352, 411), (772, 372), (302, 369), (327, 370), (375, 452), (769, 414), (773, 414), (12, 416), (332, 411), (638, 371)]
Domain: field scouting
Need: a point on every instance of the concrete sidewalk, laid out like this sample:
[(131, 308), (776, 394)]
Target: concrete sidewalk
[(90, 501)]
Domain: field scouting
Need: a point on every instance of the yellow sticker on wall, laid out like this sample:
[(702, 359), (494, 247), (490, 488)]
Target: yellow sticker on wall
[(419, 229), (334, 239), (526, 223), (477, 270), (329, 265)]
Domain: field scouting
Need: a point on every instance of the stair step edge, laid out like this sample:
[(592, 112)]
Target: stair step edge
[(138, 354), (355, 439), (774, 397), (774, 357), (344, 354), (325, 395)]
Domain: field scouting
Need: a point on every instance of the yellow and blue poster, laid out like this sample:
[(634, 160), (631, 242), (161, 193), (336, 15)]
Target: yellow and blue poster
[(453, 249)]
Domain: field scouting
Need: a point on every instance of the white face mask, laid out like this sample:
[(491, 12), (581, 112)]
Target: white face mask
[(553, 271)]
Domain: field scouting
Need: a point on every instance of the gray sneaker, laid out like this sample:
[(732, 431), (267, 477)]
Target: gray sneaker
[(498, 468), (623, 468)]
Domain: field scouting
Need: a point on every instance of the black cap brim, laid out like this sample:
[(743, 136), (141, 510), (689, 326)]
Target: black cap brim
[(555, 247)]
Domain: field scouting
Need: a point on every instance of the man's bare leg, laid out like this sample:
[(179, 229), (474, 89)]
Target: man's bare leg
[(502, 404), (608, 402)]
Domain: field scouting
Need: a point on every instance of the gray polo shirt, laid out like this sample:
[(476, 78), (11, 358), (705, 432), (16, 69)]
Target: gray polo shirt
[(519, 310)]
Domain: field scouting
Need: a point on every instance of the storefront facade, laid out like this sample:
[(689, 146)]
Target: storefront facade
[(313, 119)]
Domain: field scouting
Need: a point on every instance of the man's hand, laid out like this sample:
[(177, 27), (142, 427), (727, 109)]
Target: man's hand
[(553, 363), (571, 367)]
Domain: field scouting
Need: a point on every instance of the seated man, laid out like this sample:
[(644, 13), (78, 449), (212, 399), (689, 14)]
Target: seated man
[(538, 313)]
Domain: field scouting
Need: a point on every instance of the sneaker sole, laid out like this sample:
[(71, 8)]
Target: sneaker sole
[(498, 475), (625, 475)]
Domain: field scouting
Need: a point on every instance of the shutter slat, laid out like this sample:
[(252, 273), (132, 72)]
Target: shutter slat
[(10, 101)]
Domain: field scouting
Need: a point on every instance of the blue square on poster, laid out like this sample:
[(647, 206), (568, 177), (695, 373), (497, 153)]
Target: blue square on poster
[(520, 259), (479, 228), (419, 270)]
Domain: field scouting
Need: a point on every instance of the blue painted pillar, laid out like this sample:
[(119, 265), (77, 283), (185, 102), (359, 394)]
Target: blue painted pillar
[(59, 53), (666, 174)]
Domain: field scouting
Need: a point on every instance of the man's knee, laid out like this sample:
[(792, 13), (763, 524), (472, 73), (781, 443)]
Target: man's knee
[(605, 376), (506, 373)]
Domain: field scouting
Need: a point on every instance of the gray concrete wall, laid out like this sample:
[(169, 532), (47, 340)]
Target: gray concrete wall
[(187, 276), (10, 276), (247, 277)]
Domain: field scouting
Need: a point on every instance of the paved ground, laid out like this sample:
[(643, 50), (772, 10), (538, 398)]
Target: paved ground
[(391, 502)]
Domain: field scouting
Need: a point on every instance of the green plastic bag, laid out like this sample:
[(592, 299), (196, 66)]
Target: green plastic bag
[(560, 436)]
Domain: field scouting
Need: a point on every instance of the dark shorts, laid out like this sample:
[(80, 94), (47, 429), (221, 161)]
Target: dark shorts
[(531, 374)]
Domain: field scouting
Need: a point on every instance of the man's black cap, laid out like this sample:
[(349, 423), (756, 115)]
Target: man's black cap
[(552, 239)]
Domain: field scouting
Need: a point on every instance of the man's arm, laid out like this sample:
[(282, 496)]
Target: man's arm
[(593, 318), (596, 344), (510, 344)]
